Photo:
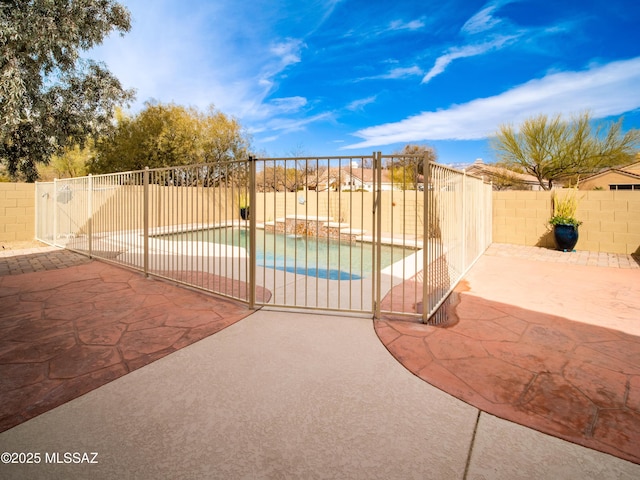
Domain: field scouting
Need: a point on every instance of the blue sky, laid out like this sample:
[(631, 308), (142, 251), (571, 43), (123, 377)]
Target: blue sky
[(350, 77)]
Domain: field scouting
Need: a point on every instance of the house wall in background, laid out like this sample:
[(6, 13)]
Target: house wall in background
[(612, 177), (17, 211)]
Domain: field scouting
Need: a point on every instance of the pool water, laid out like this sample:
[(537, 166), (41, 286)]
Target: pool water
[(314, 257)]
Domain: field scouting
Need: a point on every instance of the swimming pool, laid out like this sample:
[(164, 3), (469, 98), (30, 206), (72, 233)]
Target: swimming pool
[(311, 256)]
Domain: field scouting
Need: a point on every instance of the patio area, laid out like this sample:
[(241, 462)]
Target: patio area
[(538, 339), (70, 325), (547, 339)]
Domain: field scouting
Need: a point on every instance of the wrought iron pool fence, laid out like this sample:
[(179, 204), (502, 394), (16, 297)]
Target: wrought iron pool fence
[(379, 234)]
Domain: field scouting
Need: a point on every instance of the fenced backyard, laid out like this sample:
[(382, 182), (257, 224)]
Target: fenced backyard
[(350, 234)]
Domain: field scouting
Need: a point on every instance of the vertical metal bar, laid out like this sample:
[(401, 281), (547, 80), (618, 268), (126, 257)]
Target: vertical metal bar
[(55, 212), (36, 203), (426, 243), (338, 244), (252, 231), (295, 233), (317, 263), (464, 221), (145, 210), (377, 217), (306, 240), (90, 214)]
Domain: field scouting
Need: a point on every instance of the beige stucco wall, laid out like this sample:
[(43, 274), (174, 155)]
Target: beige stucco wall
[(17, 211), (611, 220)]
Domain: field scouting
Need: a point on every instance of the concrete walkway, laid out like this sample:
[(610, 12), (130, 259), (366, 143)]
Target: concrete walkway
[(289, 395)]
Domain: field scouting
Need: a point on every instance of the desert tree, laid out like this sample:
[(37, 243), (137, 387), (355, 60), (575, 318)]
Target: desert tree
[(555, 150)]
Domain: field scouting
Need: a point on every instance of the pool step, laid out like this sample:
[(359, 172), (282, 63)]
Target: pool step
[(312, 226)]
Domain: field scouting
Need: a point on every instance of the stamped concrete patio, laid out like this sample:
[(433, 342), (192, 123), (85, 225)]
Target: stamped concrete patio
[(547, 339), (69, 325)]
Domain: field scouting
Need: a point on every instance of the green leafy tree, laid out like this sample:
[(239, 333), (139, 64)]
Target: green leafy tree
[(70, 163), (554, 150), (50, 97), (168, 135)]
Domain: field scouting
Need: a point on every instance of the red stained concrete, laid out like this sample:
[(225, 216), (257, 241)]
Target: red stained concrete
[(66, 331), (546, 344)]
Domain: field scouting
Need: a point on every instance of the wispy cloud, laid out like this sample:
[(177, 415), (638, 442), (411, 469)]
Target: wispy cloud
[(403, 72), (288, 104), (606, 90), (361, 103), (462, 52), (484, 20), (288, 51), (395, 27), (288, 125), (483, 33), (403, 25), (394, 74)]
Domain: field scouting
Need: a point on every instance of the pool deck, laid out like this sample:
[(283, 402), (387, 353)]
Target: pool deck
[(268, 394)]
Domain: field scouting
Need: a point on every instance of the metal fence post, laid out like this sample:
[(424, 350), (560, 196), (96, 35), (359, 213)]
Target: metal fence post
[(145, 183), (377, 210), (36, 203), (90, 214), (55, 211), (426, 245), (252, 231), (464, 219)]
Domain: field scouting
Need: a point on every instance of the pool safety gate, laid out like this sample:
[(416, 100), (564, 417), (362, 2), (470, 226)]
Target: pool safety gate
[(382, 235)]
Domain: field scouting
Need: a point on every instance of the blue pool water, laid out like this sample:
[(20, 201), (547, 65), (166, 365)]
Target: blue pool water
[(320, 258)]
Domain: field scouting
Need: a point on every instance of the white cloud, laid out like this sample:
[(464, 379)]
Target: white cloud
[(288, 104), (403, 72), (402, 25), (394, 27), (360, 104), (607, 90), (485, 20), (481, 21), (395, 74), (462, 52), (200, 53), (286, 125), (288, 51)]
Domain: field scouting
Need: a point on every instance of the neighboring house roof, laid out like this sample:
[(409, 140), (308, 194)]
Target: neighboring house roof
[(634, 167), (325, 178), (632, 170), (608, 171), (366, 175), (481, 169)]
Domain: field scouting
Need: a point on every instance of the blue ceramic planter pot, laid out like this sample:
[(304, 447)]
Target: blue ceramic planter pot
[(566, 237)]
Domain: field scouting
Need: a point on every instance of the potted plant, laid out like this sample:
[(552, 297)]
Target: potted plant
[(564, 221), (243, 203)]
